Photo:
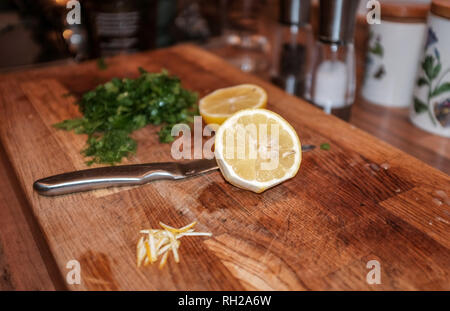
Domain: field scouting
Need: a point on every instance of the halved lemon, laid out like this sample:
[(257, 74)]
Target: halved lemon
[(257, 149), (219, 105)]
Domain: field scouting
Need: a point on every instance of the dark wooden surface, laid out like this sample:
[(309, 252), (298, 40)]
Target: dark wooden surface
[(393, 126), (25, 261), (316, 231)]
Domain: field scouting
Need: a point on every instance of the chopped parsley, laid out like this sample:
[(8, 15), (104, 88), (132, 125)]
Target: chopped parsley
[(112, 111), (325, 146)]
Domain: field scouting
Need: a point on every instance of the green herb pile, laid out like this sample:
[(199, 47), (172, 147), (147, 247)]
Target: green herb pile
[(112, 111), (325, 146)]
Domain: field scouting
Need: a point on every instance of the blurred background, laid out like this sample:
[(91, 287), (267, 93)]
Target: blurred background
[(36, 31), (273, 39)]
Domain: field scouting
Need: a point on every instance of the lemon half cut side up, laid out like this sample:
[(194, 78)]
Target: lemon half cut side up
[(257, 149)]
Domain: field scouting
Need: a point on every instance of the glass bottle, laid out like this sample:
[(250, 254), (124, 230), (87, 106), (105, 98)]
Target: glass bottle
[(246, 44), (332, 81), (292, 50), (118, 26)]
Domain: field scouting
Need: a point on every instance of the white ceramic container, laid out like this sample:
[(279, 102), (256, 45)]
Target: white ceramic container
[(393, 53), (430, 107)]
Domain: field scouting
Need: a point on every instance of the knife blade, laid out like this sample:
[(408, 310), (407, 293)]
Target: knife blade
[(124, 175)]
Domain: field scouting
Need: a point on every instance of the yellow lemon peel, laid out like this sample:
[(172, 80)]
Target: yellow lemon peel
[(159, 242)]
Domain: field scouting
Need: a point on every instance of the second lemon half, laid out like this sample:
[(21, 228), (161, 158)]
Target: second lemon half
[(219, 105)]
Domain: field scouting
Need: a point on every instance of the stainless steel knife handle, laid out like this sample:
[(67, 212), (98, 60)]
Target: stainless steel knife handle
[(124, 175), (103, 177)]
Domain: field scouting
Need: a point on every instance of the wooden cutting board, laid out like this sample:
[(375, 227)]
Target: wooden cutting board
[(362, 200)]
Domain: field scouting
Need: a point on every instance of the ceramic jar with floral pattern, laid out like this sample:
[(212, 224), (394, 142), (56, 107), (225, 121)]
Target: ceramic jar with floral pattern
[(393, 52), (430, 108)]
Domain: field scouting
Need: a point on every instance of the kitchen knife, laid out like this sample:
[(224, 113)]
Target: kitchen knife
[(124, 175)]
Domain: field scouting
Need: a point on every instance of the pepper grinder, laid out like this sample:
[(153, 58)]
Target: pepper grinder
[(295, 38), (332, 83)]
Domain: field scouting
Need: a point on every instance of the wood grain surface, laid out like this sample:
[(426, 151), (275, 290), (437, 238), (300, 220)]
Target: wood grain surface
[(23, 252), (361, 200)]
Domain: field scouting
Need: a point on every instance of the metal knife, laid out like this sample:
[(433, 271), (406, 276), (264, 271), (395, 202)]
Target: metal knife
[(124, 175)]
